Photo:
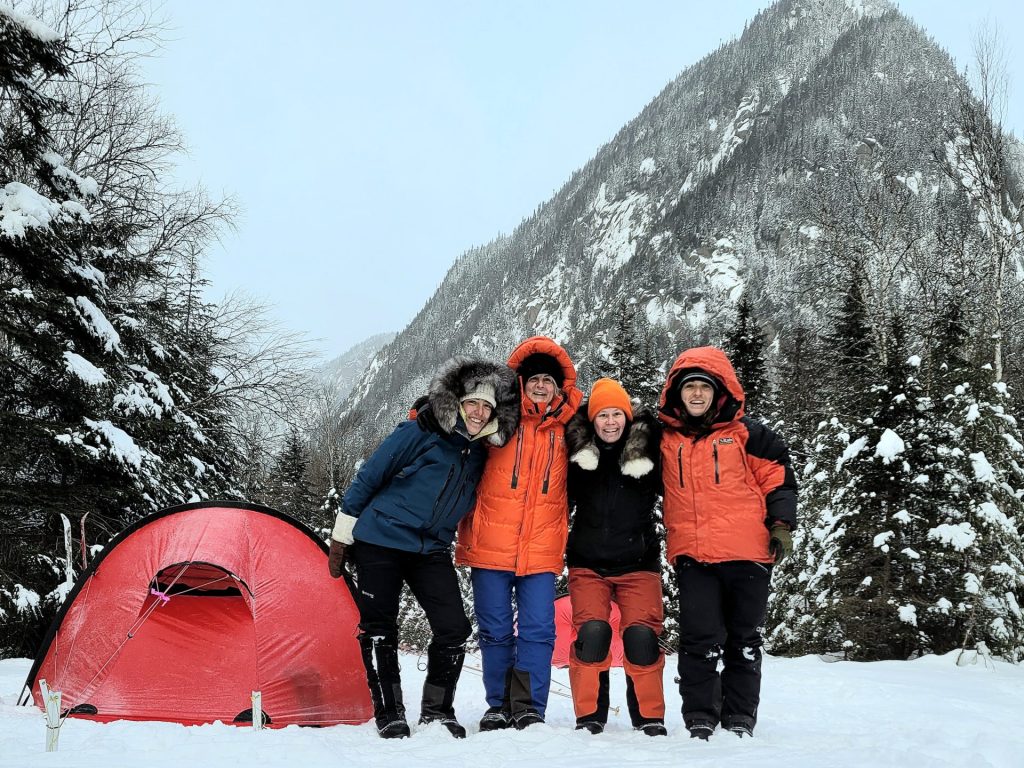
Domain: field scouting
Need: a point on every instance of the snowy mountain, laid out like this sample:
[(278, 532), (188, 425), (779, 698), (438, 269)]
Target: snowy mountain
[(341, 373), (710, 190)]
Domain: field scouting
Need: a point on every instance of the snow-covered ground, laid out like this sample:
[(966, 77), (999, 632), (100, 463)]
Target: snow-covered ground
[(928, 713)]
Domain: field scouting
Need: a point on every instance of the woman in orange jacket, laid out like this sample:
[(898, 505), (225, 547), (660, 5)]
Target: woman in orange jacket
[(514, 540), (729, 507)]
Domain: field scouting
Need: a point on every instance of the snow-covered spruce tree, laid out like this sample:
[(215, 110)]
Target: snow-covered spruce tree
[(90, 427), (26, 215), (797, 622), (845, 541), (882, 531), (977, 553), (802, 615)]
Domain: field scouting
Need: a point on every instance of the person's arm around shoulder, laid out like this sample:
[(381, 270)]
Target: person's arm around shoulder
[(642, 451)]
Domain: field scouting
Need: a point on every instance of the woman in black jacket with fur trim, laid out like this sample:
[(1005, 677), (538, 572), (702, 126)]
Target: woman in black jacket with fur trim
[(613, 554)]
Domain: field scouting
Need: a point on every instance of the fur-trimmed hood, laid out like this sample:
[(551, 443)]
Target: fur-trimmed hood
[(639, 451), (462, 374)]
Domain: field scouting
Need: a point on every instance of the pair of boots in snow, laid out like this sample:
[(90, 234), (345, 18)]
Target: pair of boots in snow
[(383, 674), (517, 709), (595, 722)]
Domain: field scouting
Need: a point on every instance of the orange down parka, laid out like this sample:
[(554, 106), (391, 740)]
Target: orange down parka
[(520, 522), (725, 482)]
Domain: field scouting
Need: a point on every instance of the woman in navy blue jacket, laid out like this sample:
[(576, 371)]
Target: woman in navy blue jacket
[(397, 523)]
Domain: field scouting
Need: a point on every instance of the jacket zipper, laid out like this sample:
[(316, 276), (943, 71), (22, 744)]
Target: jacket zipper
[(680, 460), (462, 483), (435, 515), (551, 459), (519, 458), (714, 453)]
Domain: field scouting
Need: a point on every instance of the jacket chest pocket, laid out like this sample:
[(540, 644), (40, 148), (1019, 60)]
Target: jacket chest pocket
[(728, 464)]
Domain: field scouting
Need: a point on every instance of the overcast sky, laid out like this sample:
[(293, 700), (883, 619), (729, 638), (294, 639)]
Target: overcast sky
[(369, 144)]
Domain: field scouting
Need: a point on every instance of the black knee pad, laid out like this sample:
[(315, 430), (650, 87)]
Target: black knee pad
[(640, 645), (593, 641)]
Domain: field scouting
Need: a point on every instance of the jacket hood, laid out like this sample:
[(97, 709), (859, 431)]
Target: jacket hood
[(730, 397), (565, 405), (463, 374)]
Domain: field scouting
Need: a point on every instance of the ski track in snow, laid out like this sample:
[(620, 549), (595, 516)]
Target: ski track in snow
[(813, 714)]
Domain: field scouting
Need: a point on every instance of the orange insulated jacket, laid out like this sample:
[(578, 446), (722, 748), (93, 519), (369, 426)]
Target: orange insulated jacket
[(727, 482), (520, 522)]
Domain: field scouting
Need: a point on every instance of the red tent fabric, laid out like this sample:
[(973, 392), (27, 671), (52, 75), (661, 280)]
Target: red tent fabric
[(565, 636), (190, 610)]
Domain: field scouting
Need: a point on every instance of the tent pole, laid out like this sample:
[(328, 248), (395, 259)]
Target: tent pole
[(257, 711), (52, 701)]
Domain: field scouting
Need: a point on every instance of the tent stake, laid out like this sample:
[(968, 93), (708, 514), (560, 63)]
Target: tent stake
[(52, 699), (257, 711)]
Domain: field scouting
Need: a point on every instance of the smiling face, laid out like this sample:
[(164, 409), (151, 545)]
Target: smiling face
[(541, 388), (697, 397), (610, 424), (476, 415)]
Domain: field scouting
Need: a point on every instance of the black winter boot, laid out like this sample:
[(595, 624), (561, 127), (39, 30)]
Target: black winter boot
[(524, 713), (521, 699), (495, 719), (383, 675), (653, 728), (700, 728), (499, 718), (741, 725), (444, 665)]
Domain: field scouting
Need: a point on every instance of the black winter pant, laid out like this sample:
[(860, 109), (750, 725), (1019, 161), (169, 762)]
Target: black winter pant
[(721, 609), (380, 574)]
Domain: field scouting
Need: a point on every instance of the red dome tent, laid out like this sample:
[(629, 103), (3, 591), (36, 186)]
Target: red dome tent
[(188, 611), (565, 636)]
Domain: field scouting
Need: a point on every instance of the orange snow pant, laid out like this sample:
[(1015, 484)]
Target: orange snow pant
[(638, 596)]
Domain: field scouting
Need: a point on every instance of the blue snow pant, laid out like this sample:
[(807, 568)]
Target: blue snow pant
[(510, 642)]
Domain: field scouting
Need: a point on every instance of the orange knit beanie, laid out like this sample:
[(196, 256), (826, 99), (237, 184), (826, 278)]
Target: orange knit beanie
[(608, 393)]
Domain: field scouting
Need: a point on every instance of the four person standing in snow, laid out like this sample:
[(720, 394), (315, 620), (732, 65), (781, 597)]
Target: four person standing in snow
[(729, 507)]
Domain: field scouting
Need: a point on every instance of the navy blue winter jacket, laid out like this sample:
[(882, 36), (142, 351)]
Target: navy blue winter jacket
[(412, 492)]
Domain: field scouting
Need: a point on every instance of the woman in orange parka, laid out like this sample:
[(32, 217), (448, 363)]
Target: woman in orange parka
[(514, 539), (729, 507)]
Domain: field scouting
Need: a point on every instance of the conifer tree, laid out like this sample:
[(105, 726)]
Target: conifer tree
[(97, 413), (745, 347), (979, 555), (630, 360), (288, 488), (802, 401), (850, 360)]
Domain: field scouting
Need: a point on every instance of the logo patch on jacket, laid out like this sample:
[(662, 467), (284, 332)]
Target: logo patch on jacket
[(726, 441)]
